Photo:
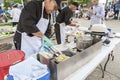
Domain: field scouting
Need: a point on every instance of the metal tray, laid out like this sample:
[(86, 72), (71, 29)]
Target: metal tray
[(63, 69)]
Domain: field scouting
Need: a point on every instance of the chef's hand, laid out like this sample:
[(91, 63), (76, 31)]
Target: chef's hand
[(73, 23), (77, 25), (47, 41)]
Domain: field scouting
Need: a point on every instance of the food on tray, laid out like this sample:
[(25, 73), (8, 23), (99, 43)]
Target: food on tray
[(79, 34), (61, 58)]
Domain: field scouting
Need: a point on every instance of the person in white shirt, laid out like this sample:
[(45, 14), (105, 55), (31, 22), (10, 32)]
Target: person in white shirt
[(15, 14), (97, 12)]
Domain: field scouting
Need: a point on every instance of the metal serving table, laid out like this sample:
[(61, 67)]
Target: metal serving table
[(79, 66), (99, 55)]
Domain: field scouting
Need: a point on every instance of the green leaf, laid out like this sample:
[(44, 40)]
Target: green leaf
[(17, 1)]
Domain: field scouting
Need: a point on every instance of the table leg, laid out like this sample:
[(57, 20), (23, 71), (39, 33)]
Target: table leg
[(103, 73), (106, 62), (112, 55), (104, 69)]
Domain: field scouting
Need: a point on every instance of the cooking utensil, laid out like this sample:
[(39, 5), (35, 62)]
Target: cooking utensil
[(68, 53), (96, 36), (58, 56), (83, 42), (96, 33), (54, 52)]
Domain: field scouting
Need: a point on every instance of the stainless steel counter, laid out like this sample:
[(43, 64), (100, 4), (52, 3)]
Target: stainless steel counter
[(96, 58), (79, 66), (63, 69), (66, 68)]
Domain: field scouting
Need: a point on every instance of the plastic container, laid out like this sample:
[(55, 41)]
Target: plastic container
[(45, 77), (8, 58)]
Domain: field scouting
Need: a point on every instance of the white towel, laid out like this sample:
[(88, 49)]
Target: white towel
[(29, 69)]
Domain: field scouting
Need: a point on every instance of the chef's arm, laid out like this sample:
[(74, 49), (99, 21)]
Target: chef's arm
[(46, 40), (28, 17), (38, 34), (68, 20), (72, 23)]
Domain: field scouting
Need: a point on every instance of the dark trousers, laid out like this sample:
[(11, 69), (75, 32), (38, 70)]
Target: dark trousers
[(48, 31), (57, 33), (116, 13), (17, 41)]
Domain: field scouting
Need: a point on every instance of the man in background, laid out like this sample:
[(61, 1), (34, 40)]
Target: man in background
[(97, 13), (63, 19)]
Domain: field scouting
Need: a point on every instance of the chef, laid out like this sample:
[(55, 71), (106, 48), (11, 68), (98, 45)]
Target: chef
[(32, 26), (63, 19)]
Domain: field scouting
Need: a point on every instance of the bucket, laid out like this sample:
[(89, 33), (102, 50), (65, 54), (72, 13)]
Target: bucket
[(3, 71), (8, 58)]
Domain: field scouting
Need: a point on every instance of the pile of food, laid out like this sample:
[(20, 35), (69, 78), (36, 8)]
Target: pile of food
[(61, 57)]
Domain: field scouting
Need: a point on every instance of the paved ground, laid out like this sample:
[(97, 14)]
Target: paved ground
[(113, 68)]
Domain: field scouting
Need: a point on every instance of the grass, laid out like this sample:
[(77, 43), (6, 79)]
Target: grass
[(9, 23), (5, 24)]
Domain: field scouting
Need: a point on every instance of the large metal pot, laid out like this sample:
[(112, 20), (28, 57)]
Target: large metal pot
[(96, 39), (84, 42)]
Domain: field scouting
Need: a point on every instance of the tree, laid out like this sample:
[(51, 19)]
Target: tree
[(17, 1), (26, 1), (83, 1), (7, 3), (80, 1), (70, 1)]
